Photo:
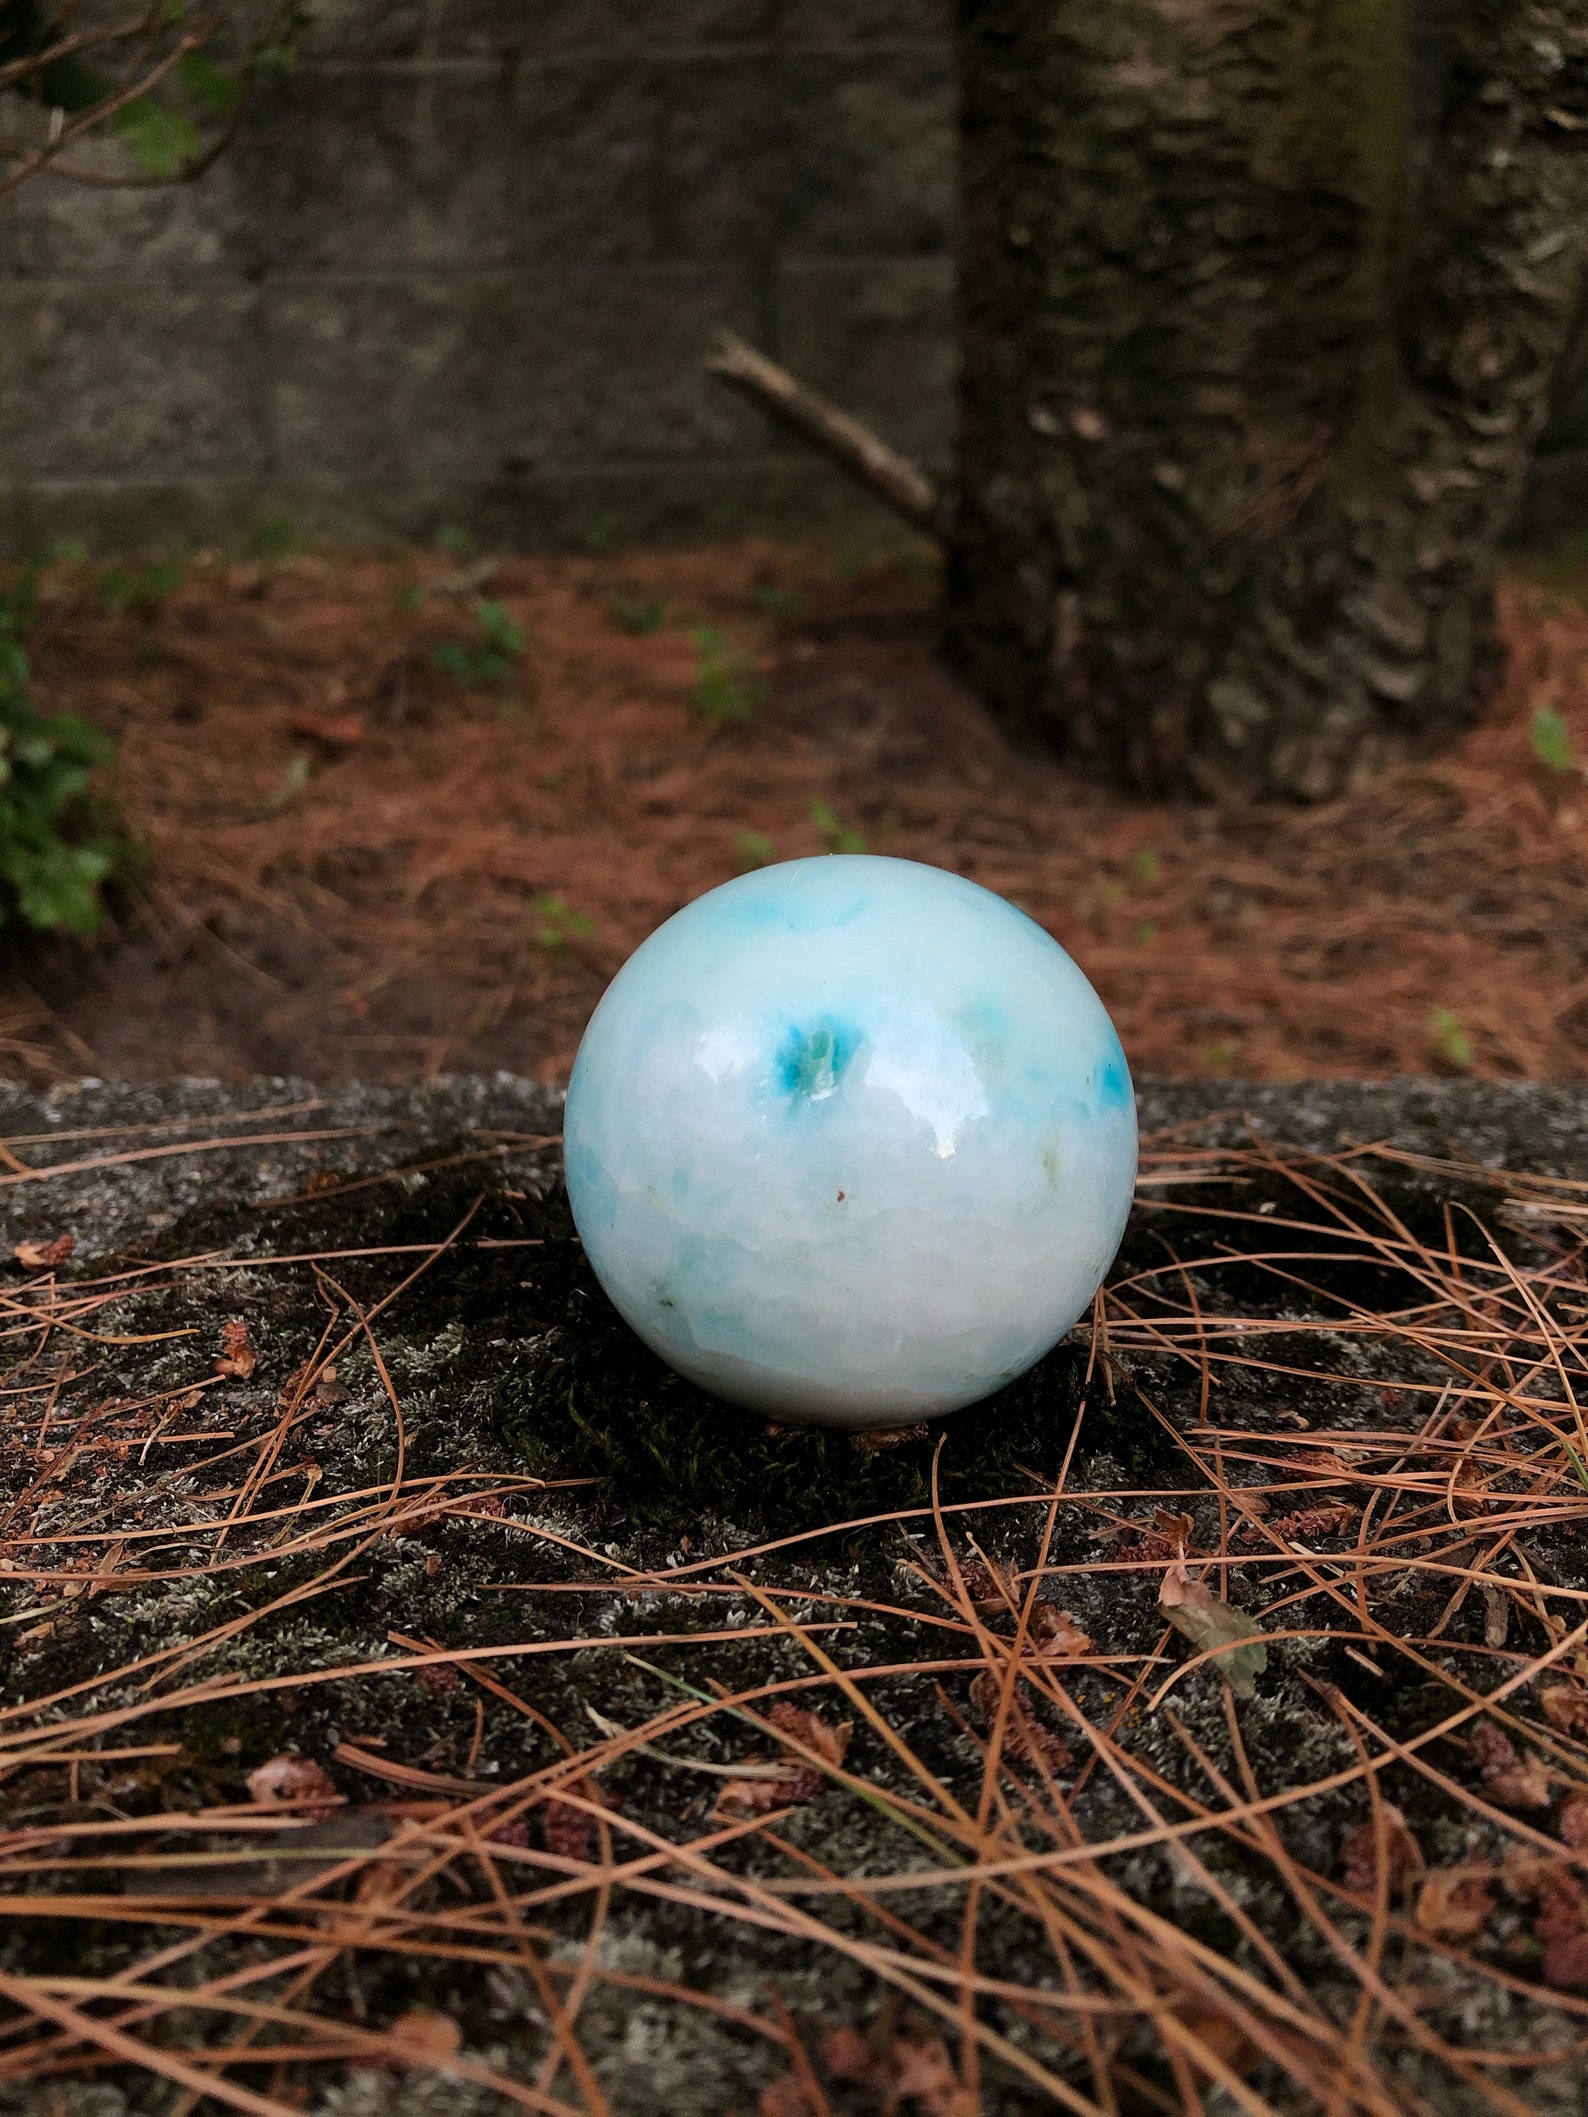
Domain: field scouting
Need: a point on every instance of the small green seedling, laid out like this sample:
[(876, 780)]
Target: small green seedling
[(755, 849), (602, 532), (782, 605), (727, 686), (274, 536), (290, 785), (1144, 867), (1551, 741), (1451, 1042), (139, 590), (638, 615), (557, 924), (490, 655), (1220, 1057), (1145, 933), (836, 836)]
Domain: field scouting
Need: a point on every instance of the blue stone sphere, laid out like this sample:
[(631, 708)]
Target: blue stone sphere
[(850, 1141)]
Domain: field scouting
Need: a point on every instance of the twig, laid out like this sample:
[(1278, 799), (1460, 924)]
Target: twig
[(885, 474)]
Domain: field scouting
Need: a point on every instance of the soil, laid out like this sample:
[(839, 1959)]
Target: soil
[(370, 851)]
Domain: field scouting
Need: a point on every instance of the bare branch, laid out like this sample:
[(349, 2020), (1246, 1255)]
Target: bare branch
[(858, 452)]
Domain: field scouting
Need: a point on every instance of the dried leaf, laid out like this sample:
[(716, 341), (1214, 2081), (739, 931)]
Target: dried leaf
[(1312, 1522), (44, 1256), (333, 731), (922, 2068), (437, 1677), (382, 1882), (1560, 1926), (1026, 1741), (1510, 1779), (1224, 2039), (1454, 1902), (1496, 1616), (291, 1782), (1055, 1633), (873, 1440), (787, 2097), (848, 2056), (830, 1743), (1146, 1549), (1572, 1821), (569, 1831), (1565, 1708), (1173, 1528), (1360, 1851), (1215, 1626), (426, 2036), (237, 1355), (990, 1590), (1565, 1962), (758, 1797)]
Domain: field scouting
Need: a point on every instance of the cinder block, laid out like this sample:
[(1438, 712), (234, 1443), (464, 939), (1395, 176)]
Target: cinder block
[(136, 379), (806, 155), (865, 21), (60, 229), (366, 171), (360, 31), (499, 376), (879, 341), (585, 137), (642, 25)]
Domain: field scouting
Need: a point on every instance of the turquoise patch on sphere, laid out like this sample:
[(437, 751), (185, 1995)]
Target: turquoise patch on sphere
[(850, 1141)]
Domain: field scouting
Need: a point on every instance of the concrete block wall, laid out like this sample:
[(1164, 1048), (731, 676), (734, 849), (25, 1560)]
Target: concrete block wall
[(462, 266)]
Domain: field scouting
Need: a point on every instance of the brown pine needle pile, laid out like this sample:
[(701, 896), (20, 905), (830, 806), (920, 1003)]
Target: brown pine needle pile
[(405, 814)]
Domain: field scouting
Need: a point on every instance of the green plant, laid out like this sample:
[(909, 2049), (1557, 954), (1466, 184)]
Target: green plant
[(291, 784), (151, 81), (490, 654), (54, 857), (1144, 866), (836, 836), (557, 924), (755, 849), (726, 686), (139, 590), (1452, 1044), (780, 604), (636, 614), (602, 532), (274, 535), (1551, 741)]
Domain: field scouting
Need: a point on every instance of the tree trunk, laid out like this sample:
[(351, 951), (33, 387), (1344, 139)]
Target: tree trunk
[(1263, 305)]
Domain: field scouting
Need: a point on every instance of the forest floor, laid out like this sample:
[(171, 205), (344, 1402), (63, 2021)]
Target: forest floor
[(404, 813)]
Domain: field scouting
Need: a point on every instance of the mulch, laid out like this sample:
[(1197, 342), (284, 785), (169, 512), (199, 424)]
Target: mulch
[(362, 862)]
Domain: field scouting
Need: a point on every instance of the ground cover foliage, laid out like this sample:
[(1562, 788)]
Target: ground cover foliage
[(403, 813), (413, 1697)]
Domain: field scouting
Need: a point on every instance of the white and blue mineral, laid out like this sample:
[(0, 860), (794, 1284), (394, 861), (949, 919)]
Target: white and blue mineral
[(850, 1141)]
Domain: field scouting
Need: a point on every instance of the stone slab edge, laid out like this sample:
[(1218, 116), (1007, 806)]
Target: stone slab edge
[(1524, 1126)]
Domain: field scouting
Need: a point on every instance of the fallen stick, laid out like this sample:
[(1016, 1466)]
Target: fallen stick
[(890, 477)]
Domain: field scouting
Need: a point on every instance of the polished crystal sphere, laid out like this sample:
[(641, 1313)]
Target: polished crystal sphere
[(850, 1141)]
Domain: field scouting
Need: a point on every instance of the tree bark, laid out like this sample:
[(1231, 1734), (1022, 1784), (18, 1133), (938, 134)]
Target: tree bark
[(1263, 305)]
